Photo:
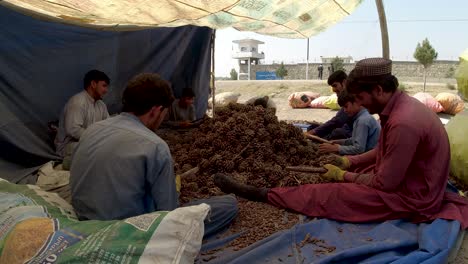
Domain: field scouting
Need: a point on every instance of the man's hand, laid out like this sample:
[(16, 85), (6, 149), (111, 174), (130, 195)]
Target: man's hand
[(342, 162), (334, 173), (328, 148)]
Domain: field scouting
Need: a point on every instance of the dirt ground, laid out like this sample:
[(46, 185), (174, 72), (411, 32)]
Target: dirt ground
[(280, 90)]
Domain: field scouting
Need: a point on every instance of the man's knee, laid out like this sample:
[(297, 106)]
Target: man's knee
[(226, 203)]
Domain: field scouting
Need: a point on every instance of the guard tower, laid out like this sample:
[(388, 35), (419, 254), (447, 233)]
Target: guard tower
[(247, 53)]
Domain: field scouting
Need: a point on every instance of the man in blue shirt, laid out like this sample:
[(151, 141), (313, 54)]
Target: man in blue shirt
[(366, 129), (340, 126), (121, 168)]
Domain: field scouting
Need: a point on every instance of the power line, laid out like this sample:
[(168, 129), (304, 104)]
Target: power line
[(408, 20)]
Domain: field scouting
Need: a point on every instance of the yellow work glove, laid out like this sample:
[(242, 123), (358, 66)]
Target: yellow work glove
[(334, 173), (342, 162), (178, 183)]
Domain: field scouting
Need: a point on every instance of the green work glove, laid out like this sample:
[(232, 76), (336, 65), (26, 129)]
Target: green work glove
[(334, 173), (342, 162)]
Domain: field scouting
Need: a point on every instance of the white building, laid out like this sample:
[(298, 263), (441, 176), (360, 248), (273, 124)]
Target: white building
[(247, 53)]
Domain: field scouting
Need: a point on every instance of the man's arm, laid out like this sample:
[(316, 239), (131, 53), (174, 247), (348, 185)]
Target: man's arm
[(106, 113), (356, 144), (364, 158), (340, 141), (74, 120), (401, 145), (192, 116), (162, 180), (336, 122)]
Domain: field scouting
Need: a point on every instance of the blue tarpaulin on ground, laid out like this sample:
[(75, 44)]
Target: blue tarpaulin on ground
[(329, 241)]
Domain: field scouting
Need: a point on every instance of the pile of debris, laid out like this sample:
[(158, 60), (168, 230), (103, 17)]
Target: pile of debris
[(249, 143)]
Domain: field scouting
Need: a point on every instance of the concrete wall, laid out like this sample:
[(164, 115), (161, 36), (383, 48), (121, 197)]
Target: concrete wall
[(439, 69)]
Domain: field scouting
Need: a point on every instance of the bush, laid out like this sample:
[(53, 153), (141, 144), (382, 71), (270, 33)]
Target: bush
[(283, 87), (337, 64), (450, 73), (451, 86), (403, 87)]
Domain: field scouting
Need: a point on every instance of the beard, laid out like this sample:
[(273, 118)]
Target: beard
[(374, 107)]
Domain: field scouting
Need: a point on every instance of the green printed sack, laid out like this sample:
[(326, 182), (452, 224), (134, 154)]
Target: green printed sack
[(40, 227), (462, 75), (456, 130)]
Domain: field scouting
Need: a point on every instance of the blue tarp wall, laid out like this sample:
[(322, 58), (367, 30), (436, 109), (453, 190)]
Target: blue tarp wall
[(42, 65)]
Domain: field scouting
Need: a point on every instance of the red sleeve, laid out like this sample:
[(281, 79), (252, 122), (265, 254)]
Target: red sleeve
[(364, 158), (400, 147)]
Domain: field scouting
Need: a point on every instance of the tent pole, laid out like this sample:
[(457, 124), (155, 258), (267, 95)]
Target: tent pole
[(383, 29), (249, 69), (307, 62), (212, 81)]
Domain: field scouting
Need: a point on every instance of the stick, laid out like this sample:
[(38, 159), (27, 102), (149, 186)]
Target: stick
[(306, 169), (319, 139), (242, 151), (298, 181), (189, 172)]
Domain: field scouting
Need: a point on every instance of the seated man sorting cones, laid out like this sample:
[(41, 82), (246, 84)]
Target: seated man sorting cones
[(404, 177), (341, 125), (121, 168), (366, 129), (81, 111)]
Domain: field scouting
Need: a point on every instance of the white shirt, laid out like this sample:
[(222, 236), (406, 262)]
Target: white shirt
[(80, 112)]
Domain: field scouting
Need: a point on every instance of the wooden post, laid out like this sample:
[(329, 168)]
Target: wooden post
[(383, 29), (307, 61), (212, 80)]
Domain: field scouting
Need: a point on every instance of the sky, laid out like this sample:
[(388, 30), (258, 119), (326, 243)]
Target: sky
[(443, 22)]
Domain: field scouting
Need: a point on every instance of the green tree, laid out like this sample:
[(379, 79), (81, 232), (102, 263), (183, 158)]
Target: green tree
[(282, 71), (233, 74), (425, 54), (337, 64), (450, 72)]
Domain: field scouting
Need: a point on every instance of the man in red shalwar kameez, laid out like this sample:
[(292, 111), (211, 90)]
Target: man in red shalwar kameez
[(405, 176)]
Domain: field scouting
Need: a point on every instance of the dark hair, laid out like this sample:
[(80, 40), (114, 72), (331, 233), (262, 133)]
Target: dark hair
[(188, 92), (338, 76), (356, 83), (94, 75), (344, 97), (145, 91)]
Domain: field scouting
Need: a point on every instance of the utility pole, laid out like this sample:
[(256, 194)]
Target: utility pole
[(383, 29), (307, 62)]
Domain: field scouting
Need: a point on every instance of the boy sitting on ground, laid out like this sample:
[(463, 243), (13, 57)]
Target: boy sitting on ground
[(366, 129), (182, 112)]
